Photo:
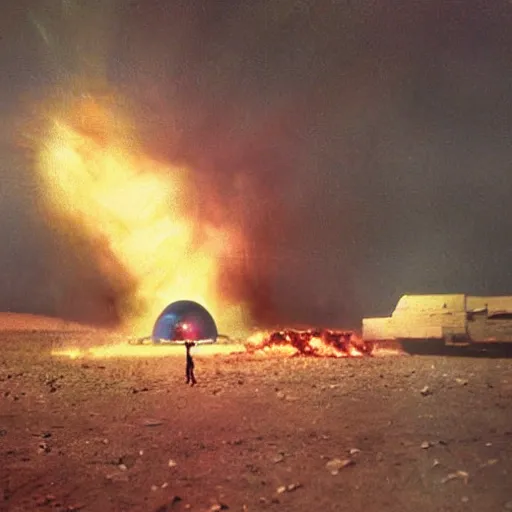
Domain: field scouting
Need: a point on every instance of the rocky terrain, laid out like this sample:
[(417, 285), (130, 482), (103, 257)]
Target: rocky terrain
[(397, 433)]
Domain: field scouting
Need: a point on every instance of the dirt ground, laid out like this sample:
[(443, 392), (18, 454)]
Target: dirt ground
[(254, 434)]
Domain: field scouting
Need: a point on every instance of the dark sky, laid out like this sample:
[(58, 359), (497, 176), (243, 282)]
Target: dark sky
[(364, 146)]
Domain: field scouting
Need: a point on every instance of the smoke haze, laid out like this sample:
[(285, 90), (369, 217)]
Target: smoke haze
[(363, 147)]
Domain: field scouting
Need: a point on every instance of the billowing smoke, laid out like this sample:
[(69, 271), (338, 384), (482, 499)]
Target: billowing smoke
[(361, 147)]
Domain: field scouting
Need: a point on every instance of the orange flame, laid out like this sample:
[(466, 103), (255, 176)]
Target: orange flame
[(313, 343), (138, 213)]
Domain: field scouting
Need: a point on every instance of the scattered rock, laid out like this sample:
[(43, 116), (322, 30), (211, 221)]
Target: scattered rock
[(354, 451), (281, 395), (127, 461), (462, 382), (168, 506), (426, 391), (48, 499), (293, 487), (153, 423), (464, 499), (426, 445), (141, 390), (217, 507), (43, 448), (334, 465), (281, 489), (490, 462), (120, 476), (435, 463), (462, 475), (172, 463), (278, 458)]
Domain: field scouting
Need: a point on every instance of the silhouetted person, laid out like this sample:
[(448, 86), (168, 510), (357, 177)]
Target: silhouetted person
[(190, 364)]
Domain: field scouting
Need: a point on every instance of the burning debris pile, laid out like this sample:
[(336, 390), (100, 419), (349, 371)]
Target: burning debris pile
[(311, 342)]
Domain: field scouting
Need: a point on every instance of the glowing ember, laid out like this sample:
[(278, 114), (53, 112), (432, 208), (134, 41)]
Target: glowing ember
[(312, 343)]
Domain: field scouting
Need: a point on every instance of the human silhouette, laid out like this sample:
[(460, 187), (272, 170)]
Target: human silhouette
[(190, 364)]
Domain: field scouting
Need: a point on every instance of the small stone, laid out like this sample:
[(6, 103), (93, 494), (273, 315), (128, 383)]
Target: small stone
[(277, 459), (334, 465), (217, 507), (281, 395), (354, 451), (153, 423), (426, 391), (293, 487), (462, 382), (435, 463), (425, 445), (464, 499), (172, 463), (122, 467), (488, 444), (462, 475), (43, 448), (154, 488), (165, 485), (117, 477), (281, 489)]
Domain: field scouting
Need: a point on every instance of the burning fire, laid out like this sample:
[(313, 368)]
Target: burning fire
[(140, 214), (287, 343), (313, 343)]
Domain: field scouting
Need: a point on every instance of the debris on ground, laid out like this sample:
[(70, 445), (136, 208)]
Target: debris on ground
[(153, 423), (169, 505), (426, 391), (461, 475), (334, 465), (43, 448), (217, 507)]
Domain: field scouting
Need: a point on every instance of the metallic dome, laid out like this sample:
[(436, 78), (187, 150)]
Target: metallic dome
[(185, 320)]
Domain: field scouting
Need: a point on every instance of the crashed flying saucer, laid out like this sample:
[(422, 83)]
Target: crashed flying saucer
[(184, 320)]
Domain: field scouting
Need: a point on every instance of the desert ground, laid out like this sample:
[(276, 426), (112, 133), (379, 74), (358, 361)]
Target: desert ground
[(258, 432)]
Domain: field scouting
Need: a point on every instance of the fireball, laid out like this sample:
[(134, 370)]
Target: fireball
[(139, 214)]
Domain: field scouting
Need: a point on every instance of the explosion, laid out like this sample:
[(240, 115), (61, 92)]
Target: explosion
[(140, 215), (313, 343)]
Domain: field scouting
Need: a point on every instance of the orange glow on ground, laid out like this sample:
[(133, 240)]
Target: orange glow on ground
[(125, 350)]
